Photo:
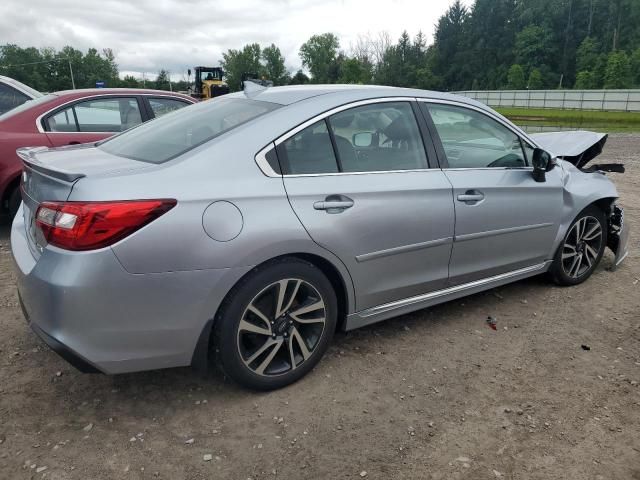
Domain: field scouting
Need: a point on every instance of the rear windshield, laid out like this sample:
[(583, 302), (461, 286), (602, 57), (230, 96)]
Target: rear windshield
[(178, 132)]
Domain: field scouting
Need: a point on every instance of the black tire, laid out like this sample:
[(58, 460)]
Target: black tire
[(235, 346), (14, 202), (565, 271)]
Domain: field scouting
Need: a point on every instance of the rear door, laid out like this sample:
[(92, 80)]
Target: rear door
[(360, 182), (92, 119), (505, 220)]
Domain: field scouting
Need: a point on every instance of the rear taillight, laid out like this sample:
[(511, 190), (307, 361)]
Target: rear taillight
[(92, 225)]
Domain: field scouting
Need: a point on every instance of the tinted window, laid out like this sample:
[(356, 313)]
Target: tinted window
[(162, 106), (309, 151), (474, 140), (10, 98), (176, 133), (378, 137)]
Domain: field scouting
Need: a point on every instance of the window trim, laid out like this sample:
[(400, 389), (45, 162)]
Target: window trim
[(263, 164), (40, 125), (442, 158)]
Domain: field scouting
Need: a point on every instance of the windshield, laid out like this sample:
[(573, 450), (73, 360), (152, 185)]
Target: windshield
[(178, 132), (27, 105)]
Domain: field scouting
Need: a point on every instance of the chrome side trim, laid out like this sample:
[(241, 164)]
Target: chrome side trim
[(263, 164), (519, 132), (403, 249), (77, 100), (502, 231), (399, 307)]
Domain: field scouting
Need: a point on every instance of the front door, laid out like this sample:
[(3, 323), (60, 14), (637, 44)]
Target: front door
[(505, 220), (360, 183)]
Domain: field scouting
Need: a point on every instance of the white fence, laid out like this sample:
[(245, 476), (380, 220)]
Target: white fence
[(618, 100)]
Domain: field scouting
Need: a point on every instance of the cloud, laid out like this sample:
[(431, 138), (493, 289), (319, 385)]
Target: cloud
[(148, 35)]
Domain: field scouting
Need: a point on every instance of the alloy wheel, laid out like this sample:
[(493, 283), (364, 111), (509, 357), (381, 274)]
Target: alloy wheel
[(281, 327), (582, 246)]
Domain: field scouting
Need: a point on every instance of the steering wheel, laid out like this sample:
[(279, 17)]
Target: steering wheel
[(508, 160)]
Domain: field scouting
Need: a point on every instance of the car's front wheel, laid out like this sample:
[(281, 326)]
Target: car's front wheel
[(275, 325), (582, 248)]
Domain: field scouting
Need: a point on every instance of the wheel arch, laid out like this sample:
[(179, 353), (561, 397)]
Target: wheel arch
[(12, 184), (337, 276)]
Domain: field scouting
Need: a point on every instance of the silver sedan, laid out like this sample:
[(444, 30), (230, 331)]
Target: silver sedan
[(243, 231)]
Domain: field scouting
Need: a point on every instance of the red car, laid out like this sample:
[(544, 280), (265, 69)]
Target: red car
[(69, 118)]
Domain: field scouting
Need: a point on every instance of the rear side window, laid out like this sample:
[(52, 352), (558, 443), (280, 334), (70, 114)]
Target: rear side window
[(10, 98), (97, 115), (180, 131), (309, 151)]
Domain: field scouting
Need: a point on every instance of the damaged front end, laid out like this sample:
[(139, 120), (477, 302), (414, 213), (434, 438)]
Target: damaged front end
[(579, 148), (618, 235)]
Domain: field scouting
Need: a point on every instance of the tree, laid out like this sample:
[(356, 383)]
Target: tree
[(274, 67), (162, 80), (535, 80), (299, 78), (618, 72), (534, 47), (237, 62), (353, 70), (515, 78), (587, 55), (451, 42), (319, 55), (585, 80), (635, 67), (129, 81)]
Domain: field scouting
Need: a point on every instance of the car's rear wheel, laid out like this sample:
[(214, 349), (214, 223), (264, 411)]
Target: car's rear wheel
[(275, 325), (582, 248)]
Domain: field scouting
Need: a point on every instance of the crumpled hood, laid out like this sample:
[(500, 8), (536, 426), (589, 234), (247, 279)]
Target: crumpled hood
[(577, 147)]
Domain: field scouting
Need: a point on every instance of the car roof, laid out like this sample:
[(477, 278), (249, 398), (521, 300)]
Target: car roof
[(296, 93)]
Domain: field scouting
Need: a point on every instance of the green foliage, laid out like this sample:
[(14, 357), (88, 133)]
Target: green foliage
[(586, 80), (237, 62), (299, 78), (535, 81), (635, 67), (319, 55), (274, 67), (618, 72), (515, 78), (48, 70), (162, 80)]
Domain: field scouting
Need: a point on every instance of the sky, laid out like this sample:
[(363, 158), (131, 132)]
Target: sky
[(149, 35)]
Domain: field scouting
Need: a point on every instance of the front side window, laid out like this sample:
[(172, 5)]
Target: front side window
[(10, 98), (473, 140), (98, 115), (172, 135), (162, 106), (378, 137)]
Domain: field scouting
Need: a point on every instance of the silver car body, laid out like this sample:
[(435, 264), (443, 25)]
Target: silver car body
[(407, 243)]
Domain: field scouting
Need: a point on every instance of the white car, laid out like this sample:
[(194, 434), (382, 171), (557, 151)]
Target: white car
[(14, 93)]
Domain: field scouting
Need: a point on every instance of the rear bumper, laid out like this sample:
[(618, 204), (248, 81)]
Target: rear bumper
[(97, 316), (65, 352)]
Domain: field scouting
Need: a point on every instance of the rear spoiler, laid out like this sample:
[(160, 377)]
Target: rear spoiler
[(576, 147), (30, 161)]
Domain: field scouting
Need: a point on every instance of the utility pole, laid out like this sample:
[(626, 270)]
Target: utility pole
[(73, 82)]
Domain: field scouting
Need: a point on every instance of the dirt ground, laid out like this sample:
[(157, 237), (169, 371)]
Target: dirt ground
[(436, 394)]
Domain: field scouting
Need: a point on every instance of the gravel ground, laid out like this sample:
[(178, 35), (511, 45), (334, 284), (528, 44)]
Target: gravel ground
[(435, 394)]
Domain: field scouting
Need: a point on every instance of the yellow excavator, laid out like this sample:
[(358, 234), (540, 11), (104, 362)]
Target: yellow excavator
[(209, 83)]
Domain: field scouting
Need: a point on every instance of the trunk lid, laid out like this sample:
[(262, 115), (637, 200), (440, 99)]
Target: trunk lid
[(50, 174), (576, 147)]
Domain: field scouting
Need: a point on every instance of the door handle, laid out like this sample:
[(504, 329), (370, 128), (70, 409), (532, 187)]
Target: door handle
[(470, 197), (334, 204)]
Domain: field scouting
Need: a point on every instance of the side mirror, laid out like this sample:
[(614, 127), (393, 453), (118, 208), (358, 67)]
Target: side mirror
[(362, 139), (542, 163)]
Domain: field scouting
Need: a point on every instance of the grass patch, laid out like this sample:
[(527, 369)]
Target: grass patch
[(605, 121)]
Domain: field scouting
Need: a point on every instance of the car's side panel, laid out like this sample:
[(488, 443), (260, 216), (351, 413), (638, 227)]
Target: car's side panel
[(512, 227)]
